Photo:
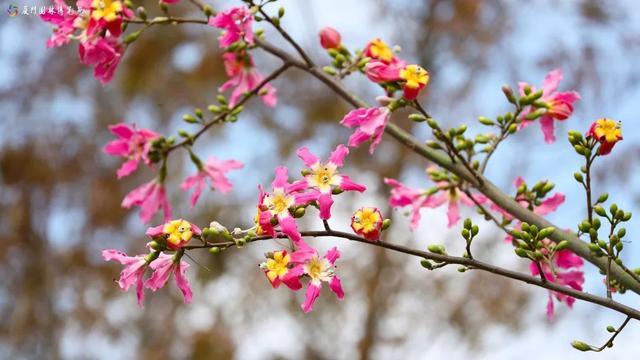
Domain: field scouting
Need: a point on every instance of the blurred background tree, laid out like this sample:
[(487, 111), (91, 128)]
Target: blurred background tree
[(60, 200)]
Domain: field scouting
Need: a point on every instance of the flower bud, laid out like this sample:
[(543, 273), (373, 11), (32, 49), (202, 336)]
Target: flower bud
[(214, 250), (562, 245), (508, 93), (330, 38), (426, 264), (580, 345), (599, 210), (436, 248)]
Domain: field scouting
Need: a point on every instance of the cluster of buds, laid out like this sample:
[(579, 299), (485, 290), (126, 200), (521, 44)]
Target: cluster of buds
[(612, 246), (529, 242), (343, 62)]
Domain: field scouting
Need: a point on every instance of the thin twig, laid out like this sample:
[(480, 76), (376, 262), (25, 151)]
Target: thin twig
[(443, 258)]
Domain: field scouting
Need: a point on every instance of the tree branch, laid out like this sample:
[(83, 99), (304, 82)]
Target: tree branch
[(443, 258)]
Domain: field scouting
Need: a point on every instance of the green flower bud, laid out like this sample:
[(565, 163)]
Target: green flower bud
[(521, 252), (579, 149), (417, 118), (188, 118), (436, 248), (299, 212), (603, 197), (613, 209), (475, 230), (486, 121), (562, 245), (386, 223), (599, 210), (426, 264), (465, 233), (594, 247), (214, 109), (508, 93), (433, 124), (627, 216), (622, 232), (580, 345), (467, 223), (214, 250), (602, 244)]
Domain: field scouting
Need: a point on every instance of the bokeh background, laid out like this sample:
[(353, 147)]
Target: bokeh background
[(60, 200)]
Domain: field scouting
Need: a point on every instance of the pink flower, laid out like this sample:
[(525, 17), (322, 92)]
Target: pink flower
[(64, 24), (563, 270), (104, 55), (215, 171), (237, 25), (377, 49), (367, 222), (151, 197), (380, 72), (132, 144), (330, 38), (371, 123), (402, 195), (279, 269), (245, 78), (453, 197), (607, 132), (324, 177), (560, 104), (135, 267), (276, 205), (175, 233), (162, 268), (319, 270)]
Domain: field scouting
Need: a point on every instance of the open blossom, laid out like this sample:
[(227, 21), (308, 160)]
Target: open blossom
[(415, 79), (162, 268), (565, 270), (65, 23), (560, 104), (377, 49), (402, 195), (215, 171), (367, 222), (176, 233), (280, 269), (237, 25), (244, 78), (133, 272), (276, 205), (607, 132), (324, 177), (330, 38), (371, 123), (319, 270), (104, 54), (133, 144), (150, 197)]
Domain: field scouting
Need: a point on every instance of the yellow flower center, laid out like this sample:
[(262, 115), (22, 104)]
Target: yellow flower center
[(323, 176), (179, 231), (366, 219), (380, 50), (608, 129), (278, 265), (106, 9), (279, 202), (318, 269), (415, 76)]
